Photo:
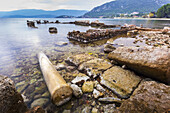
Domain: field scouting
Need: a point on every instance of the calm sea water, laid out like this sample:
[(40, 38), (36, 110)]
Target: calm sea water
[(20, 44)]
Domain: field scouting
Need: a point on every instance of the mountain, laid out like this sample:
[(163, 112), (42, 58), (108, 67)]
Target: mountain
[(34, 13), (126, 6)]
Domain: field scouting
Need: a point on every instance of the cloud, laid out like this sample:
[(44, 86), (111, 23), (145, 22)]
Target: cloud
[(8, 5)]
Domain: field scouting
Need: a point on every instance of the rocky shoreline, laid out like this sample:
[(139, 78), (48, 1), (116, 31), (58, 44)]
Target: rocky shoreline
[(127, 79)]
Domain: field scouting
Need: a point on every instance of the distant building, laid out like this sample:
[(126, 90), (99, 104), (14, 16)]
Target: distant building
[(152, 15), (135, 13)]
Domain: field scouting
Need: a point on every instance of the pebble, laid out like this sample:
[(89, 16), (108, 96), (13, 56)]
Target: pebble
[(97, 94), (94, 110), (79, 79), (39, 102), (88, 86), (76, 91)]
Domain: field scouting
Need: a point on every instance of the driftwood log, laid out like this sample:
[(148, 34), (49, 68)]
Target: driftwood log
[(60, 91)]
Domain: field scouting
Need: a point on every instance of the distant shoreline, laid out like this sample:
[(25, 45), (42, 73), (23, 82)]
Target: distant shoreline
[(144, 18)]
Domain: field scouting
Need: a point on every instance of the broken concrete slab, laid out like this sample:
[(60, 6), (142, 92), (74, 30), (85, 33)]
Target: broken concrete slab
[(122, 82), (148, 61)]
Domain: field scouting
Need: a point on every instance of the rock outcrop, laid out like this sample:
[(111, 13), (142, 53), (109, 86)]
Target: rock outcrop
[(10, 100), (148, 61), (149, 97), (53, 30), (94, 35)]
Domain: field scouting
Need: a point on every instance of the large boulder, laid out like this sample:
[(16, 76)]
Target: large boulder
[(10, 100), (149, 97), (121, 82), (148, 61)]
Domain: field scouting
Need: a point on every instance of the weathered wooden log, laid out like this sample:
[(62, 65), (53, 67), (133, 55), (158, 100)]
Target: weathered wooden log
[(60, 91)]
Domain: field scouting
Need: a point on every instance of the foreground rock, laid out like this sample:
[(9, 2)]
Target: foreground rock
[(10, 100), (149, 97), (60, 91), (121, 82), (149, 61), (94, 35)]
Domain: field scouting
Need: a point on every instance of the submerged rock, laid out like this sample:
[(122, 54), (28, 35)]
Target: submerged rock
[(149, 61), (149, 97), (40, 102), (121, 82), (10, 100)]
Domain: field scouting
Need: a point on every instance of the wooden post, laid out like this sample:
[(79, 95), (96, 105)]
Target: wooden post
[(60, 91)]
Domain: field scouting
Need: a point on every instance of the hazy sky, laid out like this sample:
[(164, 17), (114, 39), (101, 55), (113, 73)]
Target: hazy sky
[(8, 5)]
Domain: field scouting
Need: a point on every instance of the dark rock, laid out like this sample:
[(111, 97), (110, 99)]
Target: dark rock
[(109, 48), (149, 97), (31, 24), (149, 61), (94, 35), (53, 30), (10, 100)]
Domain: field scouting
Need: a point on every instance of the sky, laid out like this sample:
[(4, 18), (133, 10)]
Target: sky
[(8, 5)]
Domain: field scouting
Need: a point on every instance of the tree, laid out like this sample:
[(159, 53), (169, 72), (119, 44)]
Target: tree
[(164, 11)]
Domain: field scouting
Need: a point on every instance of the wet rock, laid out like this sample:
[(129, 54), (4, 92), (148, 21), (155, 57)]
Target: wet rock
[(61, 43), (39, 102), (83, 23), (110, 100), (88, 87), (95, 67), (46, 94), (97, 93), (76, 90), (66, 111), (71, 68), (10, 100), (94, 110), (53, 30), (60, 66), (86, 110), (80, 78), (78, 59), (100, 88), (121, 82), (149, 97), (109, 108), (109, 48), (37, 109), (131, 33), (149, 61)]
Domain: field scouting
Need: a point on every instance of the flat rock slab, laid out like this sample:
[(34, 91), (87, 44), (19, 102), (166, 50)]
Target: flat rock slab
[(95, 66), (121, 82), (149, 97), (148, 61), (78, 59)]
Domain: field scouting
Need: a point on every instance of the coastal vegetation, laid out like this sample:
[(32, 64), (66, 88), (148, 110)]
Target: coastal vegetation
[(164, 11)]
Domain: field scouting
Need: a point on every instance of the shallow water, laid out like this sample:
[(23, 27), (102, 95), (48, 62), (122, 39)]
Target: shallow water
[(20, 44)]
